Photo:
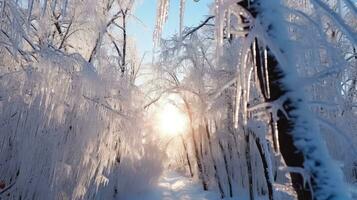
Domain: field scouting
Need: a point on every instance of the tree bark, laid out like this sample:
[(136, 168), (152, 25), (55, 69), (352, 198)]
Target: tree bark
[(293, 157), (216, 174), (249, 163)]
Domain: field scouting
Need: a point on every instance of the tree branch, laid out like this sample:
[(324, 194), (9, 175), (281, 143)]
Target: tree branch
[(198, 27)]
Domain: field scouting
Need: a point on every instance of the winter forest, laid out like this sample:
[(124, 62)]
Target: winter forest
[(257, 100)]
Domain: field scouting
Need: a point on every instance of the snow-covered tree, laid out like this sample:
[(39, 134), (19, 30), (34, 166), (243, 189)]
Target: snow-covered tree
[(283, 72), (70, 113)]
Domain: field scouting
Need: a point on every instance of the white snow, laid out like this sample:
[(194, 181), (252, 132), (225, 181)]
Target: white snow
[(174, 186), (73, 128)]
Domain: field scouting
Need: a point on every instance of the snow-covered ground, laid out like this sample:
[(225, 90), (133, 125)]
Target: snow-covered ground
[(173, 186)]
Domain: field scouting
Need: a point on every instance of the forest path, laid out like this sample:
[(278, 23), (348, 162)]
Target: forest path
[(174, 186)]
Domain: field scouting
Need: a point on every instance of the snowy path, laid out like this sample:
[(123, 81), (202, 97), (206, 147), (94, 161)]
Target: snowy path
[(173, 186)]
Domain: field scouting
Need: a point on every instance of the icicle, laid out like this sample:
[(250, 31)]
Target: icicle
[(238, 100), (267, 87), (276, 135), (229, 22), (219, 23), (247, 92), (223, 11), (182, 15), (244, 67), (161, 18)]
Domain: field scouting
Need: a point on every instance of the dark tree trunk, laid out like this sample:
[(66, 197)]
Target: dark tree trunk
[(249, 164), (226, 167), (216, 174), (274, 89), (123, 61), (199, 162), (230, 128), (265, 162)]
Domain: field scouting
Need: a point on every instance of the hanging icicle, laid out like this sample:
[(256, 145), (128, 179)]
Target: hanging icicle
[(161, 18), (219, 24), (182, 15)]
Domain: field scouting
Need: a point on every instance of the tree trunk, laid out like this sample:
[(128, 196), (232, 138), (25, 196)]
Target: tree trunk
[(267, 174), (216, 175), (300, 144), (249, 164), (187, 156), (226, 167), (200, 169)]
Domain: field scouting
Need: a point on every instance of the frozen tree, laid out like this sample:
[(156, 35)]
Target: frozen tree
[(268, 89), (70, 113), (280, 79)]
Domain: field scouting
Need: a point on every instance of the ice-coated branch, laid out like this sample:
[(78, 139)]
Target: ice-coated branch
[(351, 6), (352, 36), (338, 132), (299, 170), (105, 105)]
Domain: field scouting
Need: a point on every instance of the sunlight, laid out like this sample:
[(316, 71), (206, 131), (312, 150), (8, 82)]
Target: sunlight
[(172, 121)]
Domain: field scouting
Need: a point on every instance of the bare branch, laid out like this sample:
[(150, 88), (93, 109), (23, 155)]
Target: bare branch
[(198, 27)]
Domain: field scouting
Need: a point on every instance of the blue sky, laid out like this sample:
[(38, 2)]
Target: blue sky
[(145, 11)]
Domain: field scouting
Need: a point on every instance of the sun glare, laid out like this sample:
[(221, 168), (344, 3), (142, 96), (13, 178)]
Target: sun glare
[(172, 121)]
